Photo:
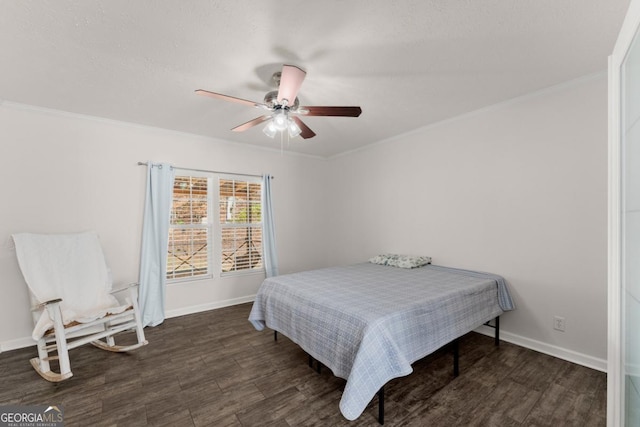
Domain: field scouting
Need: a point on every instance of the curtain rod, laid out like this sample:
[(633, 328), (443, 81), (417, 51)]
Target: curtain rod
[(209, 171)]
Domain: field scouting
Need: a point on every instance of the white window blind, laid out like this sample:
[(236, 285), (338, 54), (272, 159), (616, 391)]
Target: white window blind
[(240, 214), (189, 253)]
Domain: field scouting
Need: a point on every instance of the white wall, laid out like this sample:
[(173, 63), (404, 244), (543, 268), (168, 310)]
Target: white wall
[(518, 189), (63, 173)]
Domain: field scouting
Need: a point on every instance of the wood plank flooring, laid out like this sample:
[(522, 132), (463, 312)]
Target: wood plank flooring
[(215, 369)]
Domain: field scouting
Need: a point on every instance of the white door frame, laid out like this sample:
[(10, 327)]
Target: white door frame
[(615, 349)]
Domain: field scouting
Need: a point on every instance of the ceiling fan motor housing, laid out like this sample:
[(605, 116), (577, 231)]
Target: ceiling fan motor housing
[(271, 101)]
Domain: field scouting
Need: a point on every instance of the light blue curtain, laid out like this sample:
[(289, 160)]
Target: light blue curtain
[(155, 239), (269, 234)]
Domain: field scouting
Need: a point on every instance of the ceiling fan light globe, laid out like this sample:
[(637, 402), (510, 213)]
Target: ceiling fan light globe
[(280, 121), (270, 130), (294, 129)]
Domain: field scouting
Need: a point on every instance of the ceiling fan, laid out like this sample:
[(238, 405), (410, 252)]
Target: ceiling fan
[(284, 107)]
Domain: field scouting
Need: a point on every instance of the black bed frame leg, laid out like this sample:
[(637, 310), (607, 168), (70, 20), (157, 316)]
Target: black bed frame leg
[(275, 335), (381, 405), (456, 357), (496, 327), (318, 364)]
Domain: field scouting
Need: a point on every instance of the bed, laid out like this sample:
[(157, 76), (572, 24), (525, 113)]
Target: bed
[(368, 323)]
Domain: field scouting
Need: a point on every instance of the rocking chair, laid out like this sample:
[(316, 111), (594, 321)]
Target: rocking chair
[(72, 297)]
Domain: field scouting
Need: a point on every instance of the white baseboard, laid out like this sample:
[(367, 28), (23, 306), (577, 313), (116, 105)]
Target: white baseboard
[(208, 306), (551, 350), (16, 344)]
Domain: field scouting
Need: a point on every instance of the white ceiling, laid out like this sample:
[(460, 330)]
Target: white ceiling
[(406, 63)]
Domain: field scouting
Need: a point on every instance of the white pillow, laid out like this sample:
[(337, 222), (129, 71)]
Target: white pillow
[(402, 261)]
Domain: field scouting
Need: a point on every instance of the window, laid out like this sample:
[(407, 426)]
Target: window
[(189, 230), (241, 225), (198, 245)]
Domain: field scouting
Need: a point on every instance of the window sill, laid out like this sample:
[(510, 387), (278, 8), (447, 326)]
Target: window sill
[(228, 274), (188, 279), (223, 275)]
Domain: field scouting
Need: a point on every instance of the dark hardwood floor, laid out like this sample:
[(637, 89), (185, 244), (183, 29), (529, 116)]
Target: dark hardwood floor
[(215, 369)]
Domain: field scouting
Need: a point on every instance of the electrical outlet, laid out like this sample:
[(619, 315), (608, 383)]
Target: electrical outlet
[(558, 323)]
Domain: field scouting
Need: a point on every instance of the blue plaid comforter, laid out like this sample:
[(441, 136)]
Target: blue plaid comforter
[(368, 323)]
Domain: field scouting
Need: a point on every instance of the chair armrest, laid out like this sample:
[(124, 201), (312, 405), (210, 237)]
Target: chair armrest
[(46, 303), (124, 288)]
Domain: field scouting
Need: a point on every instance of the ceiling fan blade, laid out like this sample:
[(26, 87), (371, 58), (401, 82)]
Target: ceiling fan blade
[(290, 81), (306, 132), (251, 123), (330, 111), (230, 98)]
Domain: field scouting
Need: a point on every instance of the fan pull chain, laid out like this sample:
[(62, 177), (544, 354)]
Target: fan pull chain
[(281, 144)]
